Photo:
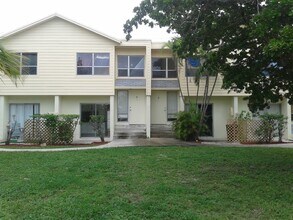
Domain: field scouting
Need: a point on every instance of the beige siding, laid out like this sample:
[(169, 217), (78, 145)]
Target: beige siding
[(189, 83), (57, 42), (161, 53)]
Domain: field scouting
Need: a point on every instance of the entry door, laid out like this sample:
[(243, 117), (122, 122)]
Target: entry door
[(137, 103), (159, 107)]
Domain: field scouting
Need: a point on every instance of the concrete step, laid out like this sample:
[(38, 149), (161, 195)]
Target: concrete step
[(162, 131), (129, 131)]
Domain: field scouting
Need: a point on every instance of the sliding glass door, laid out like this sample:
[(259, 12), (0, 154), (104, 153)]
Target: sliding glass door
[(18, 115), (94, 109)]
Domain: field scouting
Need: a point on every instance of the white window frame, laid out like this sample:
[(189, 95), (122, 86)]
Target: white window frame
[(128, 66), (93, 64), (25, 66)]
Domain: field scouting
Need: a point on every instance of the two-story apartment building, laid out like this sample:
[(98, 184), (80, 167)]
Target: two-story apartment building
[(68, 68)]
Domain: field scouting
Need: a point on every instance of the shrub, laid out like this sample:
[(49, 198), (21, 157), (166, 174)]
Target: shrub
[(97, 121), (187, 125), (273, 125), (58, 129)]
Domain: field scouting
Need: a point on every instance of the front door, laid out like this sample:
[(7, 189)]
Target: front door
[(159, 107), (137, 103)]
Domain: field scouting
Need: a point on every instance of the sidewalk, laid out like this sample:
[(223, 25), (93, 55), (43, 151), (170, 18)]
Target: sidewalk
[(147, 142)]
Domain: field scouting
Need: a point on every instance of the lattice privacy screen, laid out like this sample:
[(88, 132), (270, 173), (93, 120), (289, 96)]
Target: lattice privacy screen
[(38, 131), (243, 131)]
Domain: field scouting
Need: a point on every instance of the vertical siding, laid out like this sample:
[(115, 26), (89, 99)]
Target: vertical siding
[(57, 42)]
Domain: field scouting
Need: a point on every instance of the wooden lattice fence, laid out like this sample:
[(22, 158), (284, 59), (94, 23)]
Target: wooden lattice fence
[(243, 131), (38, 131)]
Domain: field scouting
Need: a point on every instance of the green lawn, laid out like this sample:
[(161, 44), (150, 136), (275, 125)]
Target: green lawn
[(148, 183)]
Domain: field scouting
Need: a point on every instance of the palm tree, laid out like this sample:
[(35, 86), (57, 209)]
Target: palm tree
[(9, 65)]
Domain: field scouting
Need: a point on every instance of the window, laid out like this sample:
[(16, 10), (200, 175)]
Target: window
[(19, 114), (130, 66), (164, 68), (28, 63), (172, 106), (93, 63), (192, 66), (86, 130), (122, 111)]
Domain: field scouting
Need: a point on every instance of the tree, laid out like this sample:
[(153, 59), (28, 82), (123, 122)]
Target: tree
[(9, 65), (248, 41), (97, 122)]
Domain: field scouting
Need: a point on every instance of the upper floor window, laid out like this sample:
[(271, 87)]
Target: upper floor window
[(192, 66), (28, 63), (130, 66), (93, 63), (164, 68)]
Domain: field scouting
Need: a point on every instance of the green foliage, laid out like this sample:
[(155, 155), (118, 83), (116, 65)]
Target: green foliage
[(273, 125), (97, 121), (60, 127), (9, 64), (250, 43), (244, 115), (187, 124)]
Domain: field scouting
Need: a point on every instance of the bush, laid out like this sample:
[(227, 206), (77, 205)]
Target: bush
[(59, 129), (97, 121), (273, 125), (187, 125)]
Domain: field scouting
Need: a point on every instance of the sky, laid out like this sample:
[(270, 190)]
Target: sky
[(106, 16)]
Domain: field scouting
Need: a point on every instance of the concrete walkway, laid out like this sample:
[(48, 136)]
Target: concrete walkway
[(145, 142)]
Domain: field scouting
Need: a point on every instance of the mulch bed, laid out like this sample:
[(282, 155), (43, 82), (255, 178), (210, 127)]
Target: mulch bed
[(27, 145)]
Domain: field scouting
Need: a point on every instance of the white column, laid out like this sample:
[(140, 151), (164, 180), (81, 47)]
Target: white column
[(286, 111), (235, 106), (181, 103), (57, 104), (3, 122), (112, 117), (148, 116)]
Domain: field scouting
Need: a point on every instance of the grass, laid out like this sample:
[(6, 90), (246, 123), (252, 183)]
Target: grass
[(148, 183)]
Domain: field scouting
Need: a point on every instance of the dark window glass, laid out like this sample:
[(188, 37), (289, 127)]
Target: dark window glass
[(122, 110), (159, 74), (131, 66), (172, 74), (123, 72), (101, 71), (29, 62), (84, 59), (93, 64), (136, 72), (29, 70), (102, 59), (159, 64), (123, 62), (94, 109), (164, 68), (29, 59), (84, 70), (136, 62), (171, 64)]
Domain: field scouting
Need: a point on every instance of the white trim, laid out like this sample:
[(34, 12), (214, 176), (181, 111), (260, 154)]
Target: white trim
[(63, 18)]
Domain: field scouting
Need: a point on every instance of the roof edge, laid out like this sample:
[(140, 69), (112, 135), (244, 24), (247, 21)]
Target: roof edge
[(48, 18)]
